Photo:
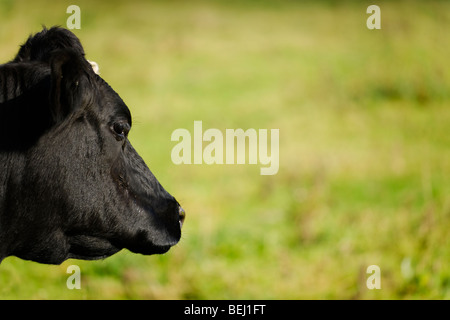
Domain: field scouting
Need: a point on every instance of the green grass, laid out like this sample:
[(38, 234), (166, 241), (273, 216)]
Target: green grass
[(364, 146)]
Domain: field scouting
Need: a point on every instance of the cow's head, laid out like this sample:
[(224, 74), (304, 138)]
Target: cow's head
[(82, 190)]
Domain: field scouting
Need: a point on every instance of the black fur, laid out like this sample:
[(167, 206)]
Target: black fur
[(39, 47), (71, 184)]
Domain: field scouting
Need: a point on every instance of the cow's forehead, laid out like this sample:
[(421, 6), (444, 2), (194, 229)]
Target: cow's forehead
[(111, 103)]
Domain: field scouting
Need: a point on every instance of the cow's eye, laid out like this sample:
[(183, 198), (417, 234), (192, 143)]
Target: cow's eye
[(120, 129)]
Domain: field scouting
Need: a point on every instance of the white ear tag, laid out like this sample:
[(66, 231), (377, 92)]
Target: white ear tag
[(95, 66)]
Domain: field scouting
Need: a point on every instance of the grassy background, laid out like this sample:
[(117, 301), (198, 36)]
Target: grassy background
[(364, 125)]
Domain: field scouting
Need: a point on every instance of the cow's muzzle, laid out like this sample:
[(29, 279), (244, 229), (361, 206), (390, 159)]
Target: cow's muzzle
[(181, 216)]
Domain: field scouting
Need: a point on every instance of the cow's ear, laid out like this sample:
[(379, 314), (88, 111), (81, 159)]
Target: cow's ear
[(71, 83)]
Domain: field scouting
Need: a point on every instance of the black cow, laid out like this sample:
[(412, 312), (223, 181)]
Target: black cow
[(71, 184)]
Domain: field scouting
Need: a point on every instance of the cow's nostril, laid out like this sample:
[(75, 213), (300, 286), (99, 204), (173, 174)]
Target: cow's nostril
[(182, 215)]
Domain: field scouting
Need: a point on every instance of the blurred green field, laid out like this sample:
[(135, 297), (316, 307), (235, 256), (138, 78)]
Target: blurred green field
[(364, 121)]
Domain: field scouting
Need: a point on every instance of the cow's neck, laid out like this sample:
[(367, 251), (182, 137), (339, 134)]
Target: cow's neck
[(12, 166)]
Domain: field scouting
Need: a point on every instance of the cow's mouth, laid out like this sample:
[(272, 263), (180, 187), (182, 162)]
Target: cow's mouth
[(157, 235), (160, 216)]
